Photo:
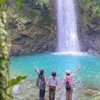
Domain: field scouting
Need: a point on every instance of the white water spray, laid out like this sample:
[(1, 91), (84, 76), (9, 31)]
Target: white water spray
[(67, 26)]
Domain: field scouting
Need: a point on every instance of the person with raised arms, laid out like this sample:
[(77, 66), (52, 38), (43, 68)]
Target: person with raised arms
[(69, 84), (41, 83)]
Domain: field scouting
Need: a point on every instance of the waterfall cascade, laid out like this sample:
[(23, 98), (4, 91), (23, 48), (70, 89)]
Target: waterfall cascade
[(67, 26)]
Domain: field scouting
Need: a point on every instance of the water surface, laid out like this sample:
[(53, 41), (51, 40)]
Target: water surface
[(87, 77)]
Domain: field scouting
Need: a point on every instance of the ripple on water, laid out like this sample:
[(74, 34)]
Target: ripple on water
[(87, 77)]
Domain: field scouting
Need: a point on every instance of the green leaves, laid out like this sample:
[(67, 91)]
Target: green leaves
[(91, 7), (19, 4), (96, 11), (10, 96), (16, 80), (2, 1)]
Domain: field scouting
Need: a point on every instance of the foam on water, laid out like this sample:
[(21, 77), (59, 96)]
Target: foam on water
[(71, 53)]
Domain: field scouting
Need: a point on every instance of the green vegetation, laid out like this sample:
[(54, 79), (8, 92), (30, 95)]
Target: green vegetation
[(4, 54), (39, 15), (91, 7), (14, 82), (89, 13), (19, 3)]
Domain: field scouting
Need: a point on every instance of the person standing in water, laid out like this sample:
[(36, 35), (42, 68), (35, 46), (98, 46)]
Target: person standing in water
[(41, 83), (68, 80), (52, 83)]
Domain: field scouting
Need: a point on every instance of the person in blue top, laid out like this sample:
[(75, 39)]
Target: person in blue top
[(41, 83)]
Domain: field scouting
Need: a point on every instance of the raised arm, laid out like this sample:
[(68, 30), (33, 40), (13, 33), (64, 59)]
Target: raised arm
[(63, 82), (76, 71), (36, 70)]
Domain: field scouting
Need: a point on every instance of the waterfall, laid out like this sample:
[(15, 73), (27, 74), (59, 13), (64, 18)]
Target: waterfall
[(67, 26)]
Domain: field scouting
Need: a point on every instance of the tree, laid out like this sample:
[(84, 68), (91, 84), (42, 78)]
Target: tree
[(4, 55)]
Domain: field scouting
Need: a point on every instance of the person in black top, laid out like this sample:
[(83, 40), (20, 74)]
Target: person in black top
[(41, 83)]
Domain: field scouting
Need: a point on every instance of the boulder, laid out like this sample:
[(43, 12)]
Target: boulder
[(90, 91)]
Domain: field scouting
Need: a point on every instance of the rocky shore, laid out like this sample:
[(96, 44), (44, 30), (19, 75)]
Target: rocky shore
[(27, 90)]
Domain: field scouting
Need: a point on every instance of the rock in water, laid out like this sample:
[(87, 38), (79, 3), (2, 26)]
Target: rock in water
[(90, 91)]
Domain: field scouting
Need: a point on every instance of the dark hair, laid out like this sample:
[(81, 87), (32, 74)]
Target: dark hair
[(67, 74), (41, 71), (54, 74)]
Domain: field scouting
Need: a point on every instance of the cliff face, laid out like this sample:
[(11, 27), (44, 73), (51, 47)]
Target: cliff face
[(42, 41), (89, 26), (32, 28)]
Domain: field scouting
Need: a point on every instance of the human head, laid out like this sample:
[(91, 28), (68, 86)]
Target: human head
[(41, 71), (54, 74), (67, 72)]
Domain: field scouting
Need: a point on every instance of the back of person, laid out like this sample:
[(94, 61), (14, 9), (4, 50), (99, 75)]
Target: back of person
[(68, 79), (68, 86), (41, 82), (69, 83), (53, 81)]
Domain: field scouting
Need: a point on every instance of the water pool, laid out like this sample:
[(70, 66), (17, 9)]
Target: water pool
[(88, 76)]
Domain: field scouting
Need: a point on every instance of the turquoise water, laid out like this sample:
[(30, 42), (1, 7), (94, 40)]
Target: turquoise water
[(89, 73)]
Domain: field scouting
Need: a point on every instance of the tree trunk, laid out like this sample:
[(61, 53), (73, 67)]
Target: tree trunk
[(4, 56)]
